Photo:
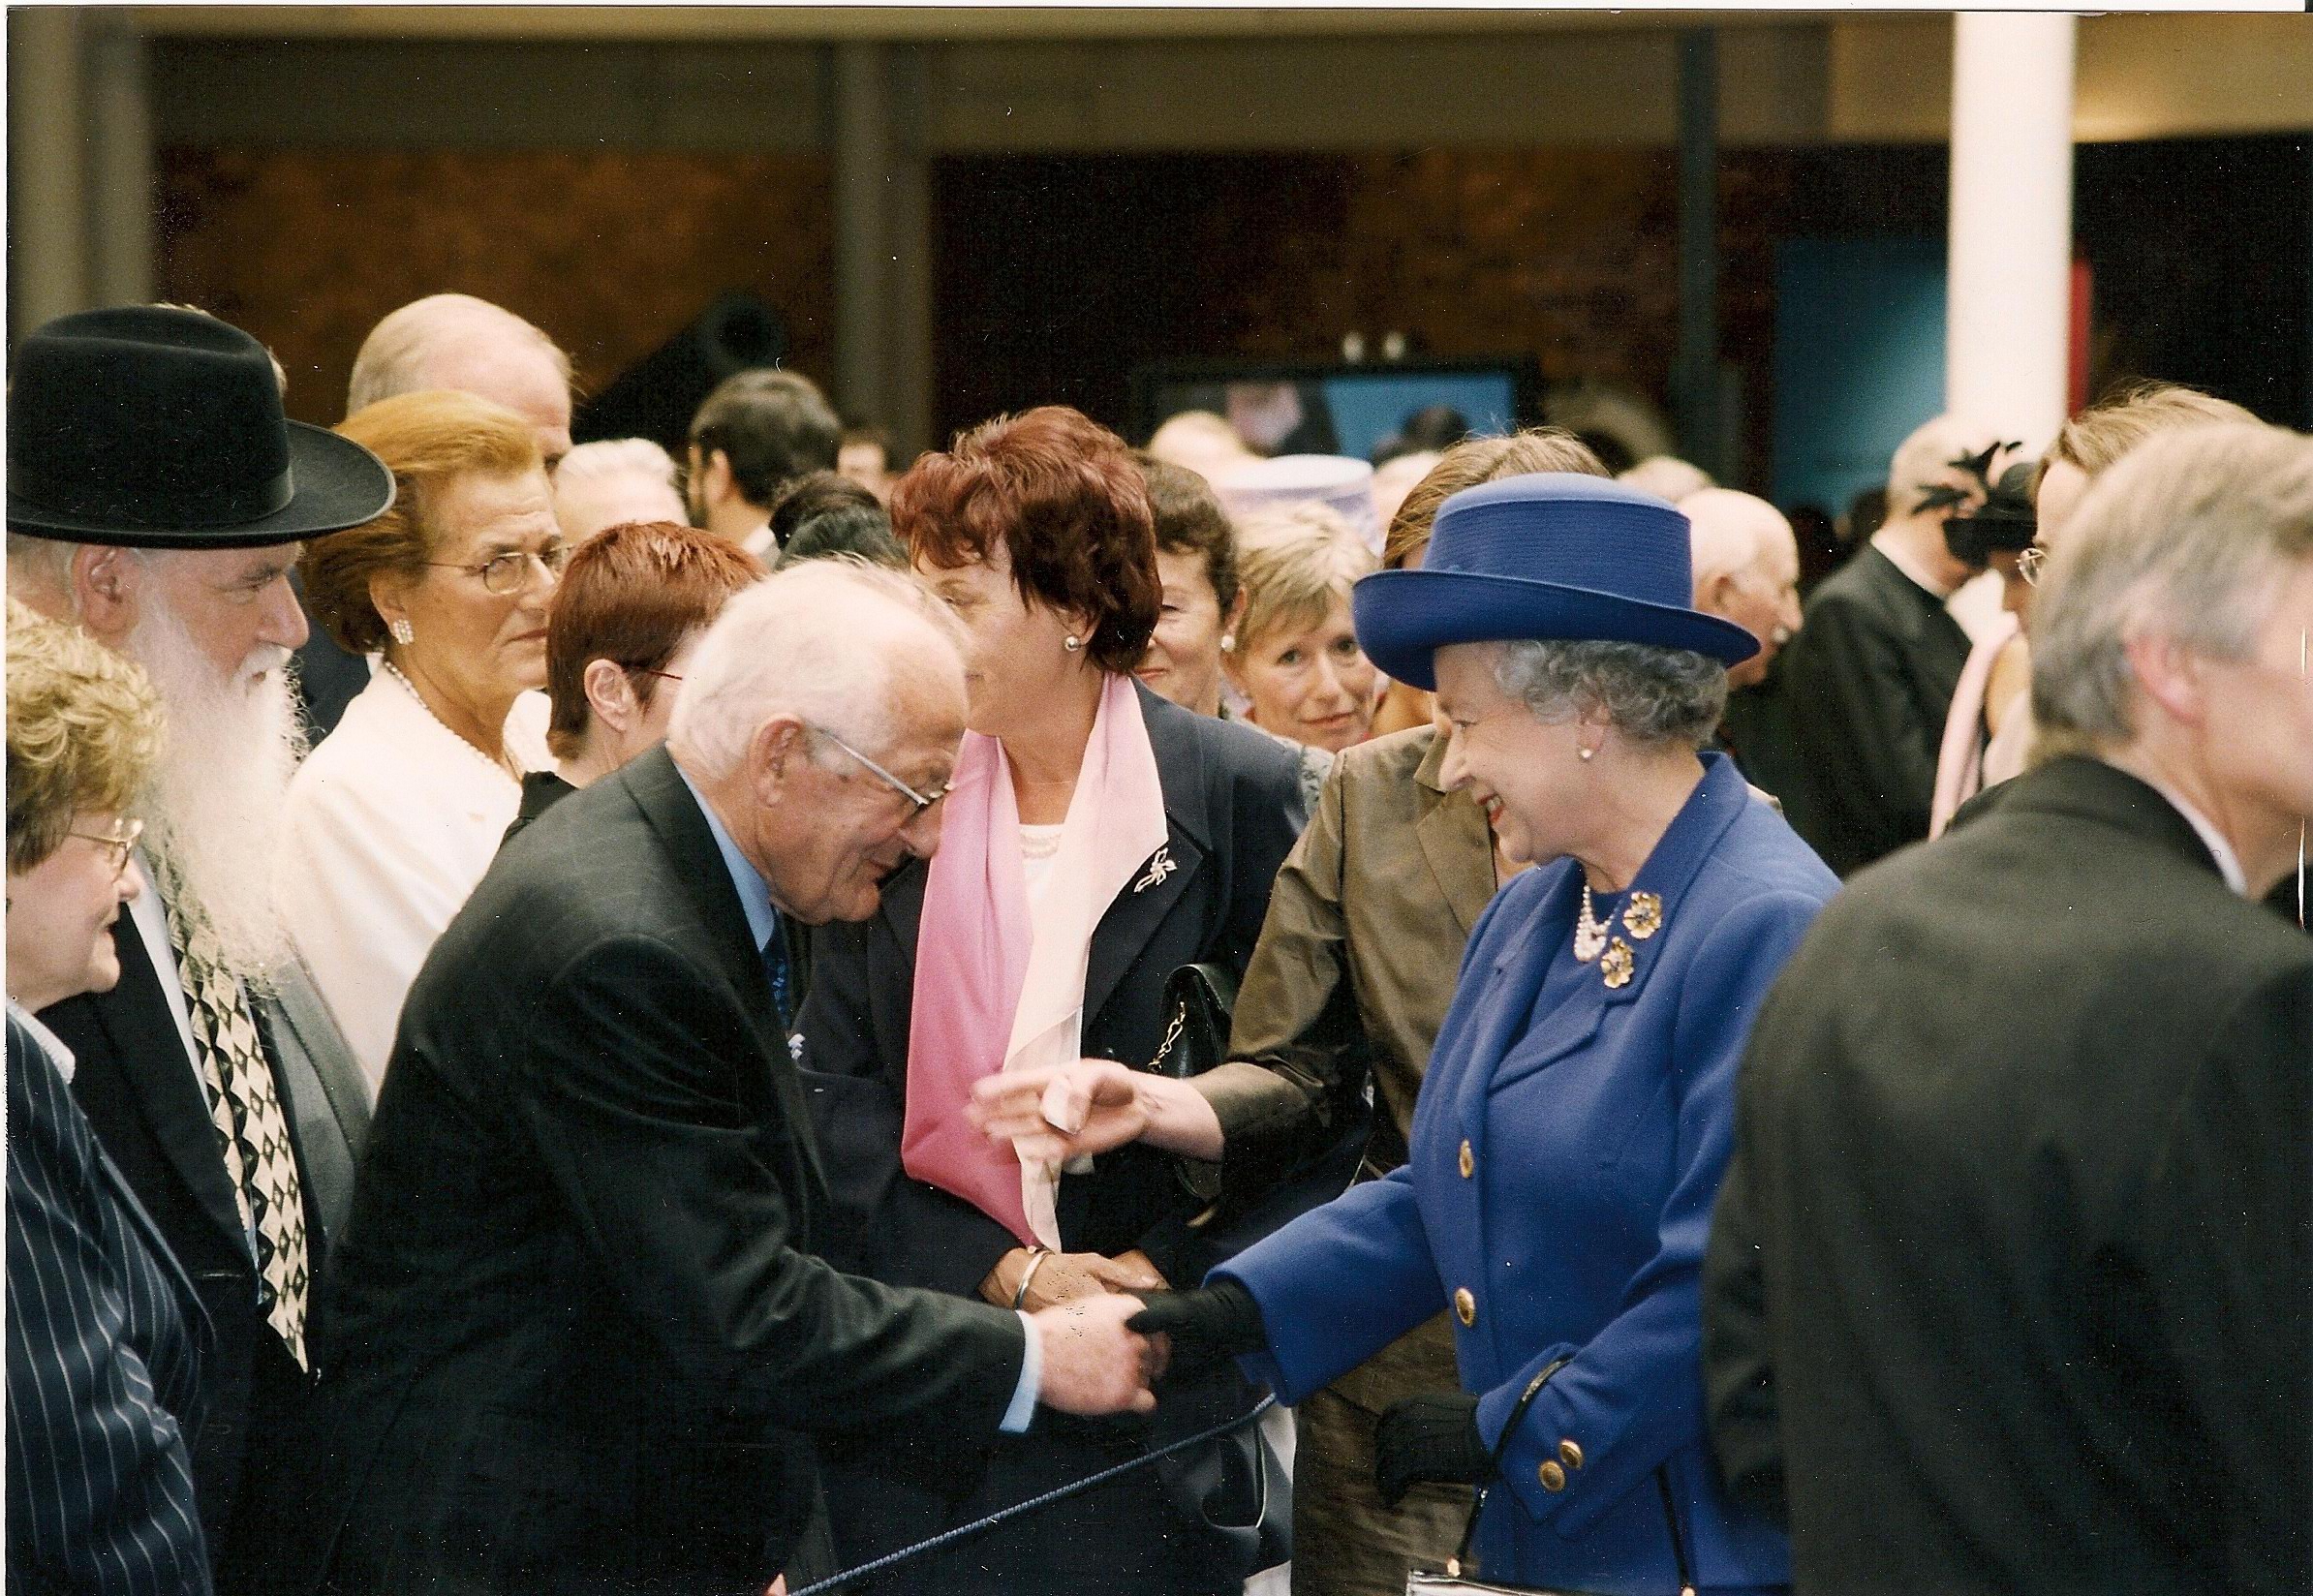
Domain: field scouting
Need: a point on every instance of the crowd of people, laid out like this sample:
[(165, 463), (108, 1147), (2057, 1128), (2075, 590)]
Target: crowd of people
[(589, 1022)]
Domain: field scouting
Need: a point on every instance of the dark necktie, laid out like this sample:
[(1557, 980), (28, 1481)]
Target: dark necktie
[(775, 971)]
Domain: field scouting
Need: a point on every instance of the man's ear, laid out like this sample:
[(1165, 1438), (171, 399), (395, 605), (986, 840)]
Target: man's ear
[(2168, 673), (775, 757), (1715, 593), (108, 590), (610, 695), (715, 477)]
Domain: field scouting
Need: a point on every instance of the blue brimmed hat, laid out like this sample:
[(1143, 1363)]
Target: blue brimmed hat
[(1554, 556)]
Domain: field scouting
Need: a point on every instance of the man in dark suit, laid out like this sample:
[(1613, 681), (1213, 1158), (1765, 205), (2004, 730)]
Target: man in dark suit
[(2008, 1286), (579, 1335), (1869, 680), (157, 496)]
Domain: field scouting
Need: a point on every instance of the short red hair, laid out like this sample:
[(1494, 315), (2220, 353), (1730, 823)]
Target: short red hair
[(630, 595), (1064, 499)]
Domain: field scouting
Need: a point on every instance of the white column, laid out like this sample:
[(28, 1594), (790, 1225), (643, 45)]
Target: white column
[(2008, 324)]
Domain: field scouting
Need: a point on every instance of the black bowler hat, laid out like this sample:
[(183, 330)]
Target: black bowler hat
[(161, 428)]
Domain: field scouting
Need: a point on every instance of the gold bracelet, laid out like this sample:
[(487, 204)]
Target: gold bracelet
[(1035, 1261)]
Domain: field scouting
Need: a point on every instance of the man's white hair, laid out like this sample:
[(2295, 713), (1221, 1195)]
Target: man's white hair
[(610, 458), (399, 354), (2191, 535), (827, 641), (1925, 459), (1667, 477), (1730, 530)]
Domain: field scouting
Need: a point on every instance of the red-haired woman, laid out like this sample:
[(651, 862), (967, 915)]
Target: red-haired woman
[(1094, 838)]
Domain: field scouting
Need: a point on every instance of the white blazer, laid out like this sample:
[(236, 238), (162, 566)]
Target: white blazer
[(390, 822)]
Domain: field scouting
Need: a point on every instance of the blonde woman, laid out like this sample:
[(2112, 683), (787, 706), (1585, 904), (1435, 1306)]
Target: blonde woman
[(1296, 658)]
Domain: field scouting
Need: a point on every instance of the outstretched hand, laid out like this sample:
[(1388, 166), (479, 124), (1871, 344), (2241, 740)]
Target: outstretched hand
[(1061, 1111), (1205, 1325), (1093, 1363)]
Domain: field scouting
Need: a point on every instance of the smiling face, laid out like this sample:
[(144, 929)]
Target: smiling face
[(1017, 665), (478, 647), (1184, 658), (1311, 684), (60, 914), (1525, 775), (830, 830)]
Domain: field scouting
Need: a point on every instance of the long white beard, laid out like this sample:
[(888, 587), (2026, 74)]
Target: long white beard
[(213, 808)]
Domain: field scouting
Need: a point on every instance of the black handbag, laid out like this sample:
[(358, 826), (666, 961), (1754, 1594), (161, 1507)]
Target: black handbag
[(1458, 1576)]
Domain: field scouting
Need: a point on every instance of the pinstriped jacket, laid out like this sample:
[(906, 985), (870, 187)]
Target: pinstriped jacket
[(103, 1360)]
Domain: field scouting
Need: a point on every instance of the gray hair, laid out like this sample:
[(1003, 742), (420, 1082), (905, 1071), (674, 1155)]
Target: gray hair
[(393, 360), (1650, 694), (827, 640), (41, 569), (608, 458), (2189, 535)]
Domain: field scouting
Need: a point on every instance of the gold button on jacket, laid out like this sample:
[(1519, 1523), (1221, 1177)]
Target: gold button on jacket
[(1570, 1455), (1469, 1162), (1465, 1307), (1552, 1477)]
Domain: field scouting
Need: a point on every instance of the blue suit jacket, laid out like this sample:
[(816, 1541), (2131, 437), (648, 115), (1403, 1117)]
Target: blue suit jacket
[(103, 1362), (1597, 1122)]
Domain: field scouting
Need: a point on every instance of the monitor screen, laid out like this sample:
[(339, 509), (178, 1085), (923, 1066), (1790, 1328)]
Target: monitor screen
[(1342, 408)]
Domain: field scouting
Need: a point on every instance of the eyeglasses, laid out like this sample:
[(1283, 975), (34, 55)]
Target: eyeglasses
[(922, 801), (119, 843), (2031, 561), (509, 573)]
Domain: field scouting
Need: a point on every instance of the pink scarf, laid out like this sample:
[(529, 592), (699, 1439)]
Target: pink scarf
[(990, 994), (1960, 763)]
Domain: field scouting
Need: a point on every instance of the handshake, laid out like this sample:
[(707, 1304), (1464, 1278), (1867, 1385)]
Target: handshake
[(1103, 1354)]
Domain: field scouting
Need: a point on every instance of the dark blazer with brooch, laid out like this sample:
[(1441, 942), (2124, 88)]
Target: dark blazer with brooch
[(144, 1096), (103, 1362), (578, 1333), (2008, 1289), (1232, 800), (1867, 684)]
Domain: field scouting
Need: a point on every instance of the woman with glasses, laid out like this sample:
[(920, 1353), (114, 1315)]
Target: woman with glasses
[(104, 1363), (633, 603), (400, 809), (1094, 838)]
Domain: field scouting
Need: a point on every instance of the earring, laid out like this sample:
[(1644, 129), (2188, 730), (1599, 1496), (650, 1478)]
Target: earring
[(1586, 753), (403, 632), (1071, 642), (1228, 642)]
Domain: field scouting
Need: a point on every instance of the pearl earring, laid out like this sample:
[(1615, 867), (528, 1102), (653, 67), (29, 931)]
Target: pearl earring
[(1228, 642), (1586, 753), (403, 632), (1071, 642)]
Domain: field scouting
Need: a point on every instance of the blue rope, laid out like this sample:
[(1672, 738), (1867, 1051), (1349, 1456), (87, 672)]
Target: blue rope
[(1076, 1487)]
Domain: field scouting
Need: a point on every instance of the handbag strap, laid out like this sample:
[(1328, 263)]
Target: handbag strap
[(1501, 1449), (1061, 1493)]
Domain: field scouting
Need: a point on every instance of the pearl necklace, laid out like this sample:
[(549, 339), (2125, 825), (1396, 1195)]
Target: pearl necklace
[(503, 766)]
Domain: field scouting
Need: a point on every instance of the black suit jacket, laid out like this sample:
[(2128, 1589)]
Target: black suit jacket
[(144, 1098), (578, 1334), (1867, 685), (103, 1362), (2008, 1283)]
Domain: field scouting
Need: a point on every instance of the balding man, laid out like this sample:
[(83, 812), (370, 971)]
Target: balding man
[(1746, 571), (582, 1339), (1871, 675), (442, 341), (2009, 1286)]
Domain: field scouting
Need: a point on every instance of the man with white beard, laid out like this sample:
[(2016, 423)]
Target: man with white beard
[(157, 497)]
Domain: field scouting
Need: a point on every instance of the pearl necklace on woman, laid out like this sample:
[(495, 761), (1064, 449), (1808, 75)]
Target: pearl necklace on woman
[(504, 766)]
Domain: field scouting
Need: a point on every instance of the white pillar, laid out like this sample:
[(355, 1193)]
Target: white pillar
[(2009, 322)]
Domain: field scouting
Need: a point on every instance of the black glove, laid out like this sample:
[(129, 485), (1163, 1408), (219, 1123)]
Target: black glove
[(1429, 1437), (1206, 1325)]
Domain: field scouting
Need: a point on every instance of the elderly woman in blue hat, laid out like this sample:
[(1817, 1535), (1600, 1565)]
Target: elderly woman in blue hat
[(1579, 1106)]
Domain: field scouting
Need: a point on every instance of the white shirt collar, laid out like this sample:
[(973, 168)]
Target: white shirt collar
[(761, 544), (1901, 559), (2227, 861), (58, 1054)]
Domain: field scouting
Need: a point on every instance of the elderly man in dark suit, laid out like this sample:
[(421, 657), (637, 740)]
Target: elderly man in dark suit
[(157, 496), (2008, 1288), (1867, 683), (581, 1336)]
